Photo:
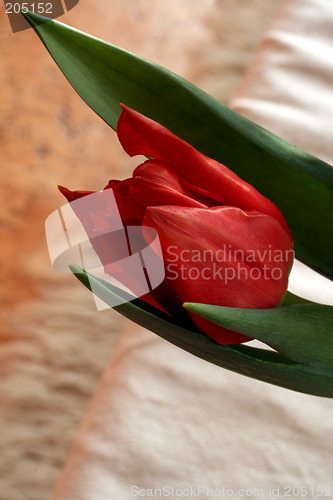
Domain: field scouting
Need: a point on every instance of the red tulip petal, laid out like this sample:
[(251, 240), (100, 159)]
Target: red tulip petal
[(73, 195), (154, 183), (222, 256), (140, 135), (131, 211), (110, 245), (95, 217)]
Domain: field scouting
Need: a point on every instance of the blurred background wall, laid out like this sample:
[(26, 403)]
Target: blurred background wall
[(53, 343)]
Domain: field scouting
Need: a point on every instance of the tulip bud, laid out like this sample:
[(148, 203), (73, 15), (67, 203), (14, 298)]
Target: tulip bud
[(223, 242)]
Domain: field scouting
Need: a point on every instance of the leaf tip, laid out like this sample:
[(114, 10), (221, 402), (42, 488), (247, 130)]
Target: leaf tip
[(34, 19), (76, 269)]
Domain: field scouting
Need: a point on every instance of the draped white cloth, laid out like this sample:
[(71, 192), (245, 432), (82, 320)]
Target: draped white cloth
[(163, 419)]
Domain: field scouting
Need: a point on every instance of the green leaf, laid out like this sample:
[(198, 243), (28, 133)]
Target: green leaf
[(105, 75), (302, 332), (259, 364)]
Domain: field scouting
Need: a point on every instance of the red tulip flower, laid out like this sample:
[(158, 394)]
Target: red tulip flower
[(223, 242)]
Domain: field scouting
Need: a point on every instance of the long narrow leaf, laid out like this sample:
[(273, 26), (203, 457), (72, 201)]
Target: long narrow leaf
[(105, 75), (302, 332), (256, 363)]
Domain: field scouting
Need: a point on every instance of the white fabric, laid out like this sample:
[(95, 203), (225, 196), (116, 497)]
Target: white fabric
[(163, 418)]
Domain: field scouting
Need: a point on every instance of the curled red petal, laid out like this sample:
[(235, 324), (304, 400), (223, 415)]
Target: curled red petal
[(140, 135), (73, 195)]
